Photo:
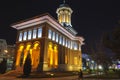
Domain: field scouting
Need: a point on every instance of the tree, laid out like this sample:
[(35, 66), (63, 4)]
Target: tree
[(99, 54), (3, 66), (27, 66), (112, 41)]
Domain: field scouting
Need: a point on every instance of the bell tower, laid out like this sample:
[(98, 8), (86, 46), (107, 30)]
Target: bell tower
[(64, 14)]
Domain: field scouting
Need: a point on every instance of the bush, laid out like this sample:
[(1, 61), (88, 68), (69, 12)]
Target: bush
[(27, 66)]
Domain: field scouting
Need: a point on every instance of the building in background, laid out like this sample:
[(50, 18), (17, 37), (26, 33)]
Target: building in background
[(8, 52), (10, 56), (3, 49), (52, 43), (88, 62)]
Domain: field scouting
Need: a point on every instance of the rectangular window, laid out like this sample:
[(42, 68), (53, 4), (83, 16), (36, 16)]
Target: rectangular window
[(69, 44), (34, 33), (60, 40), (75, 46), (20, 36), (29, 34), (75, 60), (79, 47), (39, 32), (56, 37), (53, 36), (63, 41), (49, 34), (25, 35), (66, 43)]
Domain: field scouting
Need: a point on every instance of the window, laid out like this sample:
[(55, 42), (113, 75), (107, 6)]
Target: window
[(60, 40), (79, 47), (75, 46), (34, 33), (49, 34), (63, 41), (53, 36), (29, 34), (71, 46), (20, 36), (75, 60), (66, 43), (56, 37), (39, 32), (25, 35)]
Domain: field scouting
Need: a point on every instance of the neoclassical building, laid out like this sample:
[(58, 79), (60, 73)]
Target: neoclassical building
[(52, 43)]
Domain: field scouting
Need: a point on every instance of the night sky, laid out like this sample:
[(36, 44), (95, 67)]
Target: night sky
[(91, 18)]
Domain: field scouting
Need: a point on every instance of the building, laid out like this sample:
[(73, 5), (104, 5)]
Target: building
[(8, 52), (52, 43), (3, 48), (10, 56)]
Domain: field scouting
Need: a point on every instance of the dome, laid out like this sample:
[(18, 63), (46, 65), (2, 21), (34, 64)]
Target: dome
[(64, 5)]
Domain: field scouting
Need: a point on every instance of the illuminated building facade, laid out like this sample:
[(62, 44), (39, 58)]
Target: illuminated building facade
[(53, 44)]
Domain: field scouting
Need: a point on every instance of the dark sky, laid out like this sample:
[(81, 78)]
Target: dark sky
[(90, 17)]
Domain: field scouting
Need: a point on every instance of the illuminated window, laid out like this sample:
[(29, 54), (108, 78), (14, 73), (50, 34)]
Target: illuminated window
[(60, 40), (34, 33), (29, 34), (66, 43), (39, 32), (71, 46), (53, 36), (79, 47), (63, 41), (75, 46), (25, 35), (56, 37), (49, 34), (20, 36), (75, 60)]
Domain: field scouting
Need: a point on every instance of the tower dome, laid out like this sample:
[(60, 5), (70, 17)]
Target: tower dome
[(64, 14)]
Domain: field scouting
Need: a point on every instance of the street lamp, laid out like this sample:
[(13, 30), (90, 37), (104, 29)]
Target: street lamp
[(6, 51)]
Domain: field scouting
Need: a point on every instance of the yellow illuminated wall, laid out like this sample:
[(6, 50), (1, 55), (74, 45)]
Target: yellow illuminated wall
[(52, 55), (35, 55), (24, 50), (19, 55), (55, 56)]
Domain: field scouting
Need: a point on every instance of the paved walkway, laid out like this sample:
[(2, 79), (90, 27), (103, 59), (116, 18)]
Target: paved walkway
[(12, 76), (60, 78)]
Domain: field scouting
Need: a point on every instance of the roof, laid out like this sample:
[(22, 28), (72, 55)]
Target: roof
[(48, 19)]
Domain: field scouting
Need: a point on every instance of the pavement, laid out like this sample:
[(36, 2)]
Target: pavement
[(12, 76)]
